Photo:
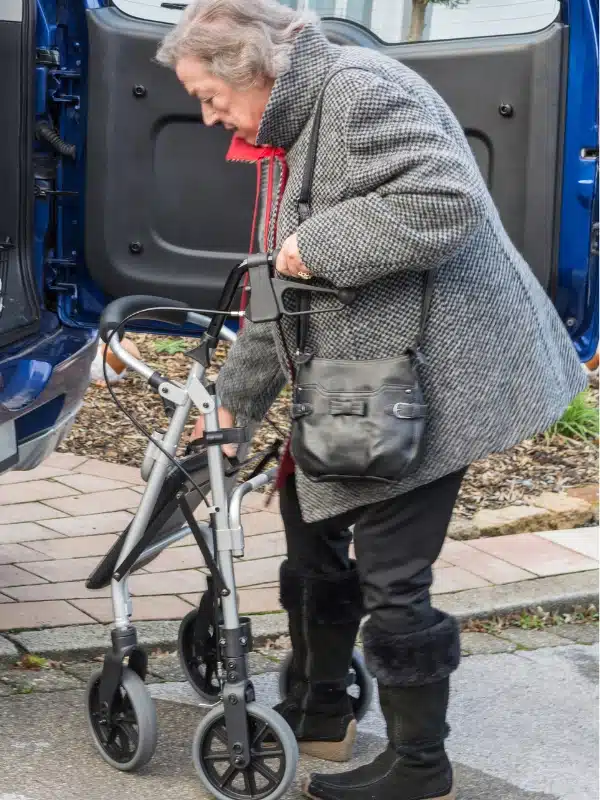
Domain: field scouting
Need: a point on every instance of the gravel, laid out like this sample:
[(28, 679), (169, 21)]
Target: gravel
[(533, 467)]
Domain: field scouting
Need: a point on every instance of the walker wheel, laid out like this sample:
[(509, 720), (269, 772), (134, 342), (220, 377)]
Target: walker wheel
[(127, 739), (360, 688), (199, 659), (273, 759)]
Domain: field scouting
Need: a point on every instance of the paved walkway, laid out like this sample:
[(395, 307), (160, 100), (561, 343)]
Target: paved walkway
[(57, 521), (523, 717)]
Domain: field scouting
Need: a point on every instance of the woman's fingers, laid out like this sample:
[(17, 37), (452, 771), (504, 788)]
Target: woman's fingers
[(289, 261), (198, 431), (225, 418), (281, 263)]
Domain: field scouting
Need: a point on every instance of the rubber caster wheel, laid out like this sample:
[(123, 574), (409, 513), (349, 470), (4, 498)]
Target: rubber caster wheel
[(360, 690), (199, 660), (127, 742), (274, 756)]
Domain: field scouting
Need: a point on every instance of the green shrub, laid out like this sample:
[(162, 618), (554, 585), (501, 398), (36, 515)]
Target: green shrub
[(580, 420)]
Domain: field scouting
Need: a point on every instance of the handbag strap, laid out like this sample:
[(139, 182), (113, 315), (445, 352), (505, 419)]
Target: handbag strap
[(425, 306), (304, 212)]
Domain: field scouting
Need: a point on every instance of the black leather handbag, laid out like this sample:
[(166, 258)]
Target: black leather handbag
[(354, 420)]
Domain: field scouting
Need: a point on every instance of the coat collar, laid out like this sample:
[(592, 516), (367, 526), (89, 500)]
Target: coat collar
[(295, 93)]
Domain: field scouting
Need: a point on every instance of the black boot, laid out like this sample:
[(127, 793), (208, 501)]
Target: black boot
[(324, 615), (415, 765)]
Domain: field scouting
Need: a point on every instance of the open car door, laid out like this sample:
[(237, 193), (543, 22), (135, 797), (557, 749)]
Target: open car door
[(159, 211), (19, 309)]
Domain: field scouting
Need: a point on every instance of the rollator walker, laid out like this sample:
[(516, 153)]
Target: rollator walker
[(241, 749)]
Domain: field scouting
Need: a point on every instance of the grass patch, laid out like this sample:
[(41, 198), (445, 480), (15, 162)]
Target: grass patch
[(580, 420)]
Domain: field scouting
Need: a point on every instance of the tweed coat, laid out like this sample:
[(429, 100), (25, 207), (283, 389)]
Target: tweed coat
[(397, 192)]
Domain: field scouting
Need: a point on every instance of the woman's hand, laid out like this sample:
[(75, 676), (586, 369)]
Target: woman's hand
[(289, 262), (225, 421)]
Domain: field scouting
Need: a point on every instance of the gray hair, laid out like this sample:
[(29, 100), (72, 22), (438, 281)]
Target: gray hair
[(239, 41)]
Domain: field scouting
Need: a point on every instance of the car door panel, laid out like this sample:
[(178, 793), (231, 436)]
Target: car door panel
[(577, 280), (165, 214), (19, 310)]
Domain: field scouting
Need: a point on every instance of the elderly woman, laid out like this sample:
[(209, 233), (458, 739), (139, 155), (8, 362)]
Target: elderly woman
[(400, 213)]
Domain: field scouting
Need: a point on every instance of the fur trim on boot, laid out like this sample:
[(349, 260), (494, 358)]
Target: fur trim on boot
[(413, 659)]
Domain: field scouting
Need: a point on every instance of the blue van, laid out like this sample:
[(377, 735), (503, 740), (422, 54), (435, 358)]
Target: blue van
[(111, 185)]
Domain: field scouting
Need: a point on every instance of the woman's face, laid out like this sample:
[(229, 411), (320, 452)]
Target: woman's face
[(238, 110)]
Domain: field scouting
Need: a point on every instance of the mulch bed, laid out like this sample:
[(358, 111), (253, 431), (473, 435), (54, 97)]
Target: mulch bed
[(535, 466)]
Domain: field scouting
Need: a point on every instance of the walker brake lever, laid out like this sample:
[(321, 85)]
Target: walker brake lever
[(281, 286), (267, 292)]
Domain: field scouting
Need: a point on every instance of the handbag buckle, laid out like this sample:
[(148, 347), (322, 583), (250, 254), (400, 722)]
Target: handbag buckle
[(407, 410), (397, 410)]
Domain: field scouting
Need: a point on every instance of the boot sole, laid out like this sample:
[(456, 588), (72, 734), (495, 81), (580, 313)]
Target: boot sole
[(306, 783), (331, 751)]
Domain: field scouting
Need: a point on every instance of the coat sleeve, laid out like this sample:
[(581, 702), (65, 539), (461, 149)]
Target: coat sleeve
[(414, 194), (251, 378)]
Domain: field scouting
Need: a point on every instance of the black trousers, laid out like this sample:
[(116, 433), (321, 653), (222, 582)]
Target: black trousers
[(407, 641)]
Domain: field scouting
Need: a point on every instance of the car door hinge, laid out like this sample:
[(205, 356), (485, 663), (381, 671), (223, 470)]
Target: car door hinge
[(61, 276), (42, 192), (62, 92)]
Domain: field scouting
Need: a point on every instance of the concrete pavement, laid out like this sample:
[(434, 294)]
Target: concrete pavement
[(524, 727)]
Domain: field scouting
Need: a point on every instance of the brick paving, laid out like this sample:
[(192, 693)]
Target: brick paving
[(57, 521)]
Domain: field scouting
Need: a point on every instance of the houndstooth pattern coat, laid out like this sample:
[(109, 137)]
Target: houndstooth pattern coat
[(397, 192)]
